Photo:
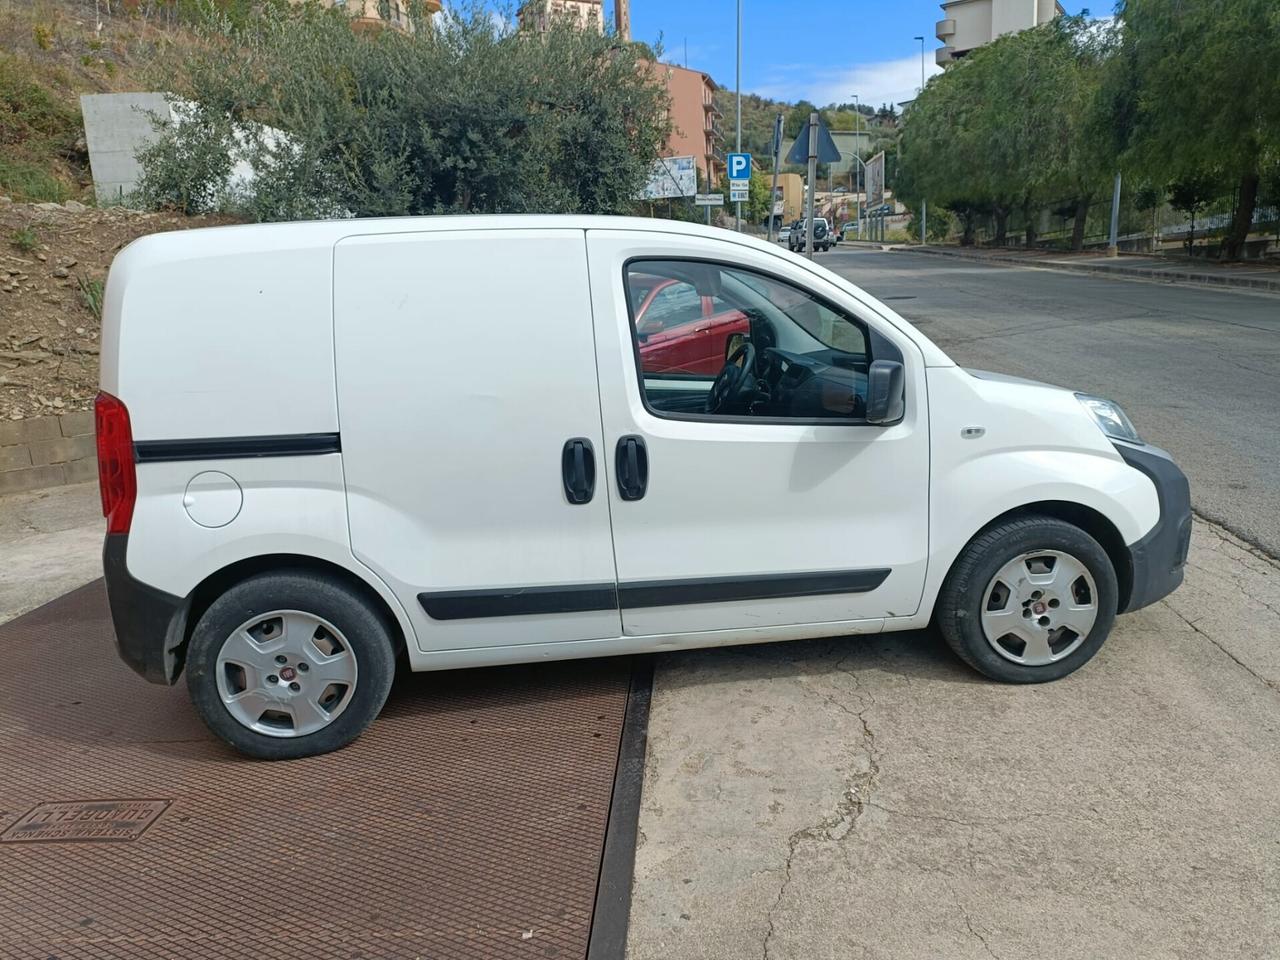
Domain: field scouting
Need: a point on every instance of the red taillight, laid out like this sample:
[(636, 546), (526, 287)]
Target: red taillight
[(117, 480)]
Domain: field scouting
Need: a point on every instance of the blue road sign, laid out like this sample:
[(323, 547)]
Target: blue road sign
[(739, 166)]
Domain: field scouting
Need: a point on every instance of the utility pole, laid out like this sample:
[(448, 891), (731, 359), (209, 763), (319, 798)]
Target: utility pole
[(737, 218), (857, 145)]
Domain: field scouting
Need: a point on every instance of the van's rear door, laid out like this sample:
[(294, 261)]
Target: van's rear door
[(466, 369)]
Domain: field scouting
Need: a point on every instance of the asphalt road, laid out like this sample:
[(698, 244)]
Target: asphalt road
[(873, 798), (1197, 370)]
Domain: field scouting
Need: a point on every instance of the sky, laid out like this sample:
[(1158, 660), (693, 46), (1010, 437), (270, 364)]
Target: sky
[(803, 49)]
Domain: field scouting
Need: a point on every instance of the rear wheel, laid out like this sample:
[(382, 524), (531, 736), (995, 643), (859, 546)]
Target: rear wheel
[(290, 665), (1028, 601)]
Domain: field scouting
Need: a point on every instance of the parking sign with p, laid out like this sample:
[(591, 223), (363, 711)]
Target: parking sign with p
[(739, 166)]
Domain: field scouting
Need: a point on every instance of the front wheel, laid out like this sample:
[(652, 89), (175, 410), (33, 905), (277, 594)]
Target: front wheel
[(1029, 600), (290, 664)]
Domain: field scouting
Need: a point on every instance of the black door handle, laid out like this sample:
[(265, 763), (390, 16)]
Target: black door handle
[(578, 464), (633, 468)]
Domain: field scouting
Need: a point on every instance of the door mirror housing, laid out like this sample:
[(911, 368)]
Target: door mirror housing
[(886, 399)]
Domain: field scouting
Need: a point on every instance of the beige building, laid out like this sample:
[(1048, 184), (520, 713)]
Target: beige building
[(378, 14), (969, 24), (696, 129), (538, 15), (788, 202)]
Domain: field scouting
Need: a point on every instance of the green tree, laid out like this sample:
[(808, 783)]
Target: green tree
[(1191, 194), (1205, 94), (463, 117), (1012, 127), (756, 208), (797, 119)]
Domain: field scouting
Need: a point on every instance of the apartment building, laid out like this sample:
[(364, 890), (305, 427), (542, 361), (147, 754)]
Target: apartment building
[(538, 15), (969, 24), (380, 14), (696, 122)]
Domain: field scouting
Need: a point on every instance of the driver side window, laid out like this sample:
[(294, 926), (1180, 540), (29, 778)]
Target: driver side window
[(761, 348)]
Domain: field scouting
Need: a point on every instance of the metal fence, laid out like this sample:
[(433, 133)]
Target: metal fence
[(1159, 230)]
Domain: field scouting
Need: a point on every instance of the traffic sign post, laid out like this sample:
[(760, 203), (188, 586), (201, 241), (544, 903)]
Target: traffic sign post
[(739, 169), (814, 145), (709, 200), (776, 156)]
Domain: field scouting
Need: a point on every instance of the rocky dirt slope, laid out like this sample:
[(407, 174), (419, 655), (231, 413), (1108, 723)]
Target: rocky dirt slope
[(53, 264)]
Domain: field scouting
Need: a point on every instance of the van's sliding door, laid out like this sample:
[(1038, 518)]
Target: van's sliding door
[(471, 437)]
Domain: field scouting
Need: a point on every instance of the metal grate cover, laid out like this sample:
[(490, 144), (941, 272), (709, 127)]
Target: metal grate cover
[(468, 822)]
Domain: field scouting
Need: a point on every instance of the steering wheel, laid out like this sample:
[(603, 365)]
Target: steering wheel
[(735, 379)]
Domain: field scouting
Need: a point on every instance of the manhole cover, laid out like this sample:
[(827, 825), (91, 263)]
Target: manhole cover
[(85, 820)]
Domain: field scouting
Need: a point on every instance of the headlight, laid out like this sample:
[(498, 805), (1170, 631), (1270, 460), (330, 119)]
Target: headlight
[(1110, 419)]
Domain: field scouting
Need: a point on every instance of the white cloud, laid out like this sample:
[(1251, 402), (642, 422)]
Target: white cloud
[(889, 81)]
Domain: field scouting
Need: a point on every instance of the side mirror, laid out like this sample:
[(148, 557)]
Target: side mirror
[(886, 401)]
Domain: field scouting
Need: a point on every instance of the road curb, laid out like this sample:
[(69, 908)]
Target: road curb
[(1134, 273)]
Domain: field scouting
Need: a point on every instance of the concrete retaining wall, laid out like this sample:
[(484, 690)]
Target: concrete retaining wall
[(116, 127), (47, 452)]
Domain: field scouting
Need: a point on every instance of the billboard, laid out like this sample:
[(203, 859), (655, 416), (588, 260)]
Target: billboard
[(671, 177), (875, 180)]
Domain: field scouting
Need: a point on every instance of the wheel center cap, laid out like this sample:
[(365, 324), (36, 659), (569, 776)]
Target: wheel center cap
[(1039, 607), (287, 673)]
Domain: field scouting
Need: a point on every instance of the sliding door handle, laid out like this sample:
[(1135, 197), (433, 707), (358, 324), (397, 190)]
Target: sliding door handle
[(633, 468), (578, 466)]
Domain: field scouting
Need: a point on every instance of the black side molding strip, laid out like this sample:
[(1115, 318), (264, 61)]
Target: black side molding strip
[(236, 448), (581, 598), (519, 601), (769, 586)]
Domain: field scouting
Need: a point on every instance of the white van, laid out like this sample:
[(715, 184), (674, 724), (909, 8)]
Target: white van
[(464, 441)]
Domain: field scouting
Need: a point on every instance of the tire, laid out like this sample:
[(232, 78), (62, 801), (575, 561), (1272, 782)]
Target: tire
[(324, 630), (993, 586)]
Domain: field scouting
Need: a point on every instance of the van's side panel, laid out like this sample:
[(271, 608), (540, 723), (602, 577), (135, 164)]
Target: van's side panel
[(221, 333), (465, 362)]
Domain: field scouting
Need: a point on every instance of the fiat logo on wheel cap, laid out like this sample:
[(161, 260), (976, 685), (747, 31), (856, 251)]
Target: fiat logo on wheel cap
[(1039, 608), (287, 673)]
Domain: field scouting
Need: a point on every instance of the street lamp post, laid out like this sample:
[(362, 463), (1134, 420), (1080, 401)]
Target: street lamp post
[(857, 131), (924, 205), (737, 219)]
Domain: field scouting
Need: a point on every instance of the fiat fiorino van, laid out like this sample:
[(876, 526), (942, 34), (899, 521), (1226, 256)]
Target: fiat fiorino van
[(327, 447)]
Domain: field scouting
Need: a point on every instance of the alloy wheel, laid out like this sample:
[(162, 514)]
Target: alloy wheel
[(1039, 607), (286, 673)]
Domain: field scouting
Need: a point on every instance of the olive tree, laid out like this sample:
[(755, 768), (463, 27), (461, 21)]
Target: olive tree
[(463, 115)]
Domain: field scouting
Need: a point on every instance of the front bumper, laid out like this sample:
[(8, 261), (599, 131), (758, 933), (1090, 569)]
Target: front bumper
[(150, 624), (1159, 558)]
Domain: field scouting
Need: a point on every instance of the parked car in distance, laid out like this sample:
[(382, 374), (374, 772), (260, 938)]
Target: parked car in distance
[(784, 233), (520, 472), (849, 231), (821, 235)]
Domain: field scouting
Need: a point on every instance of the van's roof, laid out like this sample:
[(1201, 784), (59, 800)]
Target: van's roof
[(324, 232)]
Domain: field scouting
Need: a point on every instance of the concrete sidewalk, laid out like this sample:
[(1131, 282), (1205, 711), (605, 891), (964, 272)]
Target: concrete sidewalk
[(872, 797), (50, 543), (1261, 277)]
